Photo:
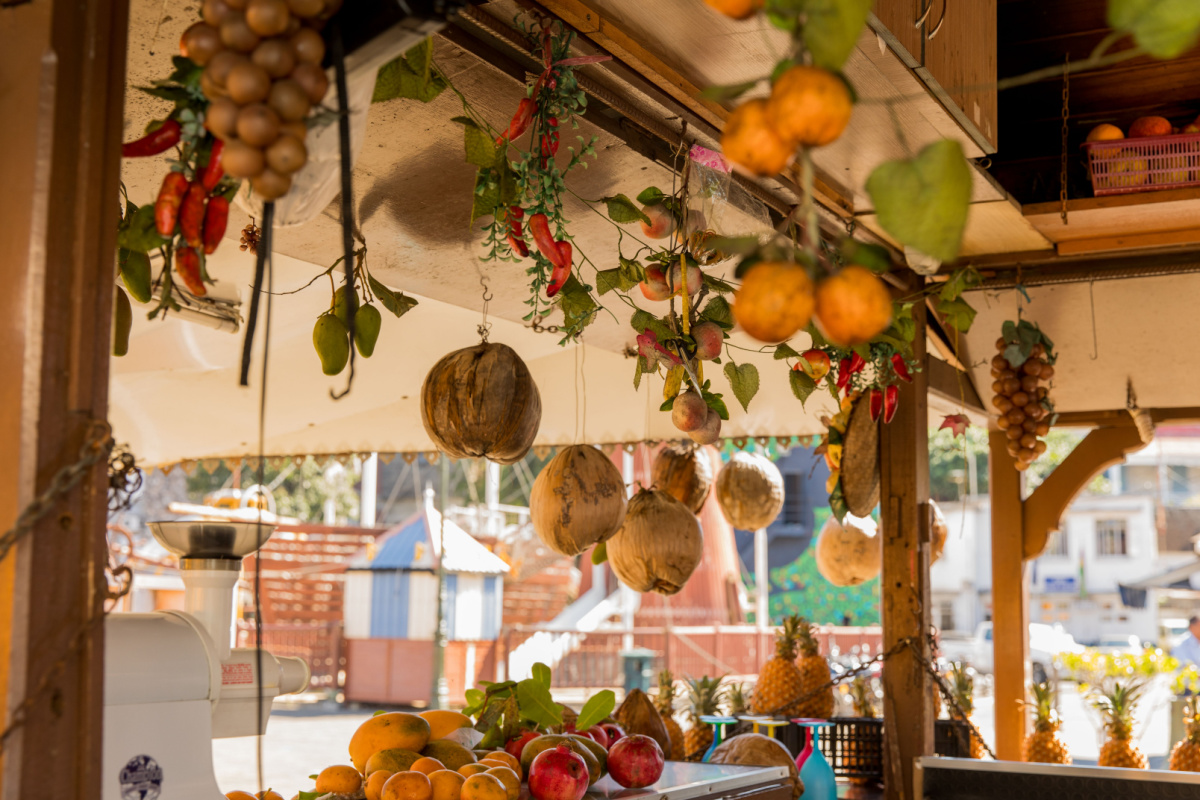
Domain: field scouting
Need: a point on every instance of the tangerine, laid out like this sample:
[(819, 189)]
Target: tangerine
[(269, 794), (447, 785), (407, 785), (853, 306), (505, 758), (467, 770), (394, 730), (483, 787), (427, 765), (738, 9), (339, 779), (374, 788), (238, 795), (443, 723), (775, 300), (750, 141), (809, 106), (512, 783)]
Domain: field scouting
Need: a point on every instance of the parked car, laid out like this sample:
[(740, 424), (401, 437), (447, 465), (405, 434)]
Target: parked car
[(1045, 642), (1112, 644)]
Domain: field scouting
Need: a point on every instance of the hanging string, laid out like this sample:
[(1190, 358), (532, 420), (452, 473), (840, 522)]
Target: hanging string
[(338, 54), (262, 252), (262, 466)]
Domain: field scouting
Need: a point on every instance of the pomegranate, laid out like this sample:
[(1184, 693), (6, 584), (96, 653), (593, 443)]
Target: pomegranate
[(635, 761), (614, 731), (558, 774), (517, 744)]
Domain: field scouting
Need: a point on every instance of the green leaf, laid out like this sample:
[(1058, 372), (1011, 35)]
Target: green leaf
[(923, 202), (650, 195), (632, 270), (176, 94), (717, 285), (717, 310), (1015, 356), (837, 503), (141, 234), (621, 209), (410, 76), (802, 385), (785, 350), (474, 698), (958, 313), (396, 302), (818, 340), (960, 281), (871, 256), (715, 402), (666, 405), (743, 379), (600, 553), (642, 320), (598, 706), (638, 370), (903, 322), (609, 279), (541, 674), (578, 307), (537, 705), (723, 94), (480, 149), (377, 713), (832, 28), (1163, 28)]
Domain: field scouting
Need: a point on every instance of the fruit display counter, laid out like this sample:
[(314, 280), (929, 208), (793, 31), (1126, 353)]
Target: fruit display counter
[(682, 780)]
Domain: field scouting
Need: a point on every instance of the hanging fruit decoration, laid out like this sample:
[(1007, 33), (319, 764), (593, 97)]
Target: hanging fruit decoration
[(659, 545), (578, 500), (939, 532), (750, 491), (684, 472), (481, 402), (1024, 362), (848, 552)]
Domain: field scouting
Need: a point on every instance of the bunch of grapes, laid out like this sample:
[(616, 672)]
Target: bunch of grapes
[(1023, 400)]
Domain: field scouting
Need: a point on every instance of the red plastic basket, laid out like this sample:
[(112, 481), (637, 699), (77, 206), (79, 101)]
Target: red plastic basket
[(1125, 166)]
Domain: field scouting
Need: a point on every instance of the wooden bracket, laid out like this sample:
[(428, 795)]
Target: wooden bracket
[(1098, 451)]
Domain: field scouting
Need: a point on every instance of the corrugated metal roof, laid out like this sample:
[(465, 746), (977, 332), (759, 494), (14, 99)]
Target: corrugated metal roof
[(415, 542)]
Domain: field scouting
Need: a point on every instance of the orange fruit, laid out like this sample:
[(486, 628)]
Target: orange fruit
[(394, 730), (269, 794), (427, 765), (467, 770), (447, 785), (443, 723), (738, 9), (750, 141), (505, 758), (238, 795), (483, 787), (1104, 133), (510, 779), (408, 785), (774, 301), (853, 306), (339, 779), (374, 788), (809, 106)]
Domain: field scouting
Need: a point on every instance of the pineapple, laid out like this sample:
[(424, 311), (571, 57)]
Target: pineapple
[(1185, 757), (704, 695), (1044, 745), (665, 703), (1116, 705), (863, 697), (962, 688), (737, 698), (814, 673), (779, 680)]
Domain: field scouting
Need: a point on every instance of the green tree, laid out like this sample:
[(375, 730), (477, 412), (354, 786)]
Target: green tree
[(300, 491)]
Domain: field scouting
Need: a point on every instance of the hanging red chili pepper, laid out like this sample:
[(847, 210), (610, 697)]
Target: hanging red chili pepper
[(191, 216), (159, 140), (891, 399), (215, 220), (213, 172), (187, 267), (539, 227), (520, 120), (843, 373), (857, 362), (562, 270), (876, 403), (901, 368), (166, 207), (516, 235)]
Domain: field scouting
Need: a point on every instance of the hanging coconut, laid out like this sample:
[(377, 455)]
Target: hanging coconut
[(860, 461), (578, 500), (938, 531), (849, 553), (683, 471), (658, 546), (750, 491), (481, 402)]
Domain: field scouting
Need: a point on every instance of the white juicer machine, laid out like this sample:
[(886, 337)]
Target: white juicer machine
[(172, 681)]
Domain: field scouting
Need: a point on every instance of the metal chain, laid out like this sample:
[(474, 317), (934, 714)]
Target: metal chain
[(1066, 112), (536, 326)]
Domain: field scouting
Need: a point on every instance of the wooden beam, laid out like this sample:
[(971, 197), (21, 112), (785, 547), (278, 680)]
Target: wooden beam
[(905, 530), (1098, 451), (1010, 599), (952, 384), (1129, 241), (60, 158), (1120, 417)]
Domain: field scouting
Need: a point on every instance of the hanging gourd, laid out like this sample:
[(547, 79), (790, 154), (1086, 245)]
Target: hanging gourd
[(683, 471), (849, 553), (750, 491), (481, 402), (578, 500), (659, 546)]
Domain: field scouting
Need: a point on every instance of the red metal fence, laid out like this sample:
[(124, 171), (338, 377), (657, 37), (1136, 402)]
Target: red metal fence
[(320, 644)]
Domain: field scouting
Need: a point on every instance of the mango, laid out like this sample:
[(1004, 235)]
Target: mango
[(366, 332), (331, 339), (122, 323)]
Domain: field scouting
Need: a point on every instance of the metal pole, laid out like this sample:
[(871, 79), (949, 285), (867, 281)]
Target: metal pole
[(369, 483), (441, 690), (762, 579)]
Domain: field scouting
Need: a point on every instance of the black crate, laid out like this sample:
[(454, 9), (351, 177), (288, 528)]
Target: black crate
[(853, 746)]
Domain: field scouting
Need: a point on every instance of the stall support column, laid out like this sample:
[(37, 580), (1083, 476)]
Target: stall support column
[(1010, 598), (60, 158), (904, 515)]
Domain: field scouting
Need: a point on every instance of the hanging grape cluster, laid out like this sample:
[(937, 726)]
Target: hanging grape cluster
[(1022, 371)]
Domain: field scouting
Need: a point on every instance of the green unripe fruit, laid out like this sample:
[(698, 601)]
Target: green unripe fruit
[(331, 339), (135, 273), (122, 323), (341, 305), (366, 329)]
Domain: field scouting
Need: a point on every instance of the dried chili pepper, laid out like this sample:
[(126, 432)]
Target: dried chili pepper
[(159, 140), (215, 220), (876, 403), (891, 399), (191, 215), (901, 368), (213, 172), (187, 267), (843, 373), (520, 120), (166, 207), (562, 270), (516, 235), (539, 227), (857, 362)]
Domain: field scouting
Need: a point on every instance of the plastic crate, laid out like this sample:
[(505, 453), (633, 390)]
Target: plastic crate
[(1126, 166), (854, 745)]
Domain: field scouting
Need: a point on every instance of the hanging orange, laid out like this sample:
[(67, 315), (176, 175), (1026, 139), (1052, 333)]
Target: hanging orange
[(774, 301), (809, 106), (752, 143), (853, 306), (738, 9)]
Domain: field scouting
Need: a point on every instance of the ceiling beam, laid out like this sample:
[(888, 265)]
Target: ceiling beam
[(953, 385), (1120, 418)]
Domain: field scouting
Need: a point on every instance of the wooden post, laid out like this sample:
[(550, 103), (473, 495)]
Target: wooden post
[(904, 472), (59, 155), (1010, 599)]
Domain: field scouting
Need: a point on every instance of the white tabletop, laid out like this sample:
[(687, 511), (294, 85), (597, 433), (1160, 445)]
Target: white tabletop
[(682, 780)]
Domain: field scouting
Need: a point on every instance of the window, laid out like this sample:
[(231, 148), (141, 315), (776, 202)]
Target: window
[(793, 499), (1110, 537), (1057, 544), (945, 615)]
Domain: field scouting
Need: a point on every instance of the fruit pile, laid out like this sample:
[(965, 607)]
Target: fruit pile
[(262, 77), (1024, 362)]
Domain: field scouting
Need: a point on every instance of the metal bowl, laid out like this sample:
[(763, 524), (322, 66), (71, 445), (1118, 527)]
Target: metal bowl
[(211, 539)]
